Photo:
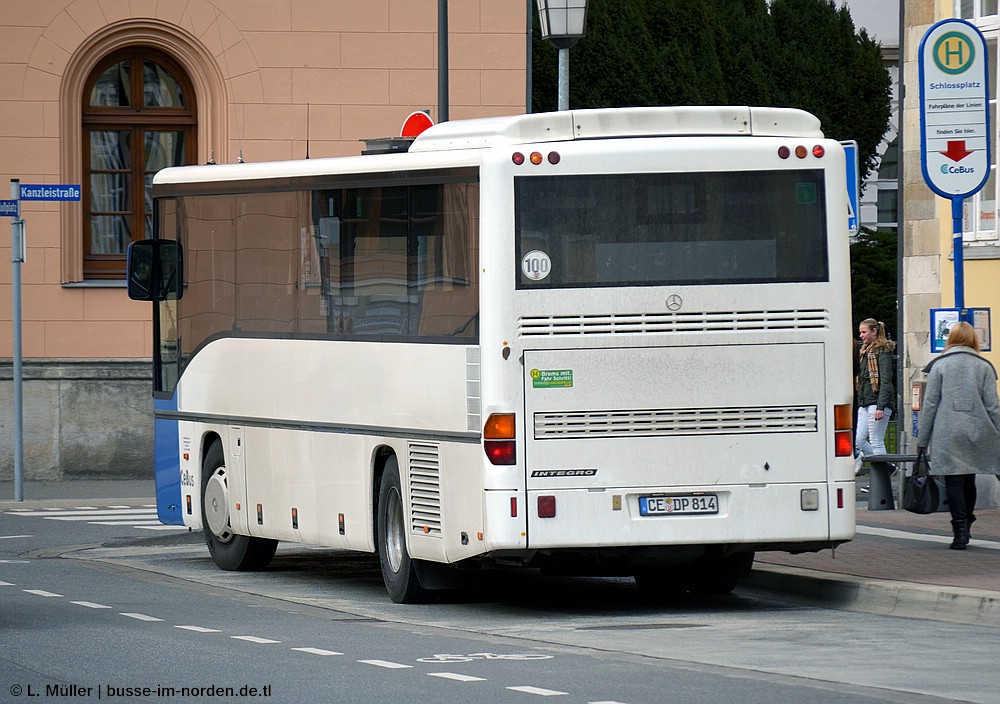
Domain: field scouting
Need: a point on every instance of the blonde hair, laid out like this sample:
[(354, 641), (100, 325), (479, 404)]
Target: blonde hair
[(964, 335), (881, 343)]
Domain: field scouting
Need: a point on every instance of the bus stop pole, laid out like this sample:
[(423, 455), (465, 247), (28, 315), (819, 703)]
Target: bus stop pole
[(16, 258), (957, 253)]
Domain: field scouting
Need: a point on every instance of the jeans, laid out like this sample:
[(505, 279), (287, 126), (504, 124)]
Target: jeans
[(870, 438)]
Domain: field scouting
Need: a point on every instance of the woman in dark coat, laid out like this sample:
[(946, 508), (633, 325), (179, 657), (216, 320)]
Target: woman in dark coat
[(960, 421)]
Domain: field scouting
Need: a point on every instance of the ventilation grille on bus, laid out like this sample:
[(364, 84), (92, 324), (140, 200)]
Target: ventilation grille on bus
[(695, 322), (675, 421), (425, 489)]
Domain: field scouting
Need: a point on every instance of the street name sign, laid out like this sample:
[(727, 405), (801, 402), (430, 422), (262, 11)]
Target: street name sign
[(954, 109), (45, 191)]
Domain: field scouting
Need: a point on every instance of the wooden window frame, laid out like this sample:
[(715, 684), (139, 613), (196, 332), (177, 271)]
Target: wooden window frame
[(137, 119)]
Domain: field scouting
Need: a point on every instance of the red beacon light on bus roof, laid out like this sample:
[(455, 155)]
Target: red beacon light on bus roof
[(517, 158), (819, 151), (784, 152)]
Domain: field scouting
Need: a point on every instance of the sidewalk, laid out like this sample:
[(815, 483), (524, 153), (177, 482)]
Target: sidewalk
[(898, 564)]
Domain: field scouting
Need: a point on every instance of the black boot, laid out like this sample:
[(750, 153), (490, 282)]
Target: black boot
[(961, 531)]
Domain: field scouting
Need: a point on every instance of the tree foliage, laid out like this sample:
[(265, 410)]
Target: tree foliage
[(873, 278), (790, 53)]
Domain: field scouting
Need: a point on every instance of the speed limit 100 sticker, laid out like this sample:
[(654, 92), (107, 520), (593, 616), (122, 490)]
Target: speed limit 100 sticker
[(536, 265)]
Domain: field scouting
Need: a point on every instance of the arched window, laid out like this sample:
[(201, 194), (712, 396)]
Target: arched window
[(138, 117)]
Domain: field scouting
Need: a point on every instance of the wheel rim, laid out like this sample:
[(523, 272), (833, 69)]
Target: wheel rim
[(217, 505), (394, 540)]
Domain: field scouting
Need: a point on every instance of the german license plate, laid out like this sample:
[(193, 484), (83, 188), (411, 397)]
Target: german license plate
[(671, 505)]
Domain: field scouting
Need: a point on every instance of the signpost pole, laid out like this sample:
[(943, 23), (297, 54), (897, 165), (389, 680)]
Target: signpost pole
[(957, 253), (16, 257)]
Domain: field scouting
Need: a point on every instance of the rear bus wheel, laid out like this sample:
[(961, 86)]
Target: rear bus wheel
[(398, 570), (229, 551)]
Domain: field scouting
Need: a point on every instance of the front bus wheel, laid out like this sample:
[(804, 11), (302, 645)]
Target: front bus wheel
[(229, 551), (398, 570)]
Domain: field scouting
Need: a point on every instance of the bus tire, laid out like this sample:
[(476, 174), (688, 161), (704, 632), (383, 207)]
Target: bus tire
[(398, 570), (229, 551), (719, 576)]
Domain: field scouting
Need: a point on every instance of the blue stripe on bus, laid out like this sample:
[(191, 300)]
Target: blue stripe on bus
[(166, 459)]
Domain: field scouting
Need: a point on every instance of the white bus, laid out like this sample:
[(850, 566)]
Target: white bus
[(598, 341)]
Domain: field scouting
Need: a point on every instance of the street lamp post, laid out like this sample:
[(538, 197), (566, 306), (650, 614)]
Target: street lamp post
[(563, 22)]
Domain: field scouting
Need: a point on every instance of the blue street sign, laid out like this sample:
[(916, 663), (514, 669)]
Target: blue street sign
[(8, 208), (45, 191), (853, 186)]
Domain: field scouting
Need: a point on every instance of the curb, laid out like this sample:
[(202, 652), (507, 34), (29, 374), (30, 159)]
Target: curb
[(878, 596)]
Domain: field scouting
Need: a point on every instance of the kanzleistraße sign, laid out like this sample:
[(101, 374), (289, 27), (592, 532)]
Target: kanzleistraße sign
[(954, 109), (44, 191)]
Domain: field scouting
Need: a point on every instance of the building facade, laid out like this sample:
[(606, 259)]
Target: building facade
[(103, 93), (928, 264)]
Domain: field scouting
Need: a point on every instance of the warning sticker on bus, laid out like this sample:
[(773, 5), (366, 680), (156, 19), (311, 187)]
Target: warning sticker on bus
[(552, 378)]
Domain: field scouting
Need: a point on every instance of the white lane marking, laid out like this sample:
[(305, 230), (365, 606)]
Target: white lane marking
[(141, 617), (138, 522), (86, 508), (11, 537), (386, 664), (317, 651), (119, 510), (255, 639), (538, 690), (924, 537), (90, 605), (610, 701), (162, 527), (129, 518), (198, 629), (42, 592), (456, 676), (6, 584), (13, 562)]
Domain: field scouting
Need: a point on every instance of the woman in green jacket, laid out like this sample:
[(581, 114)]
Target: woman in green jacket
[(876, 388)]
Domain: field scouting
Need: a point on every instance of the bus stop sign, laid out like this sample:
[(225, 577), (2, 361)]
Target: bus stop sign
[(954, 109)]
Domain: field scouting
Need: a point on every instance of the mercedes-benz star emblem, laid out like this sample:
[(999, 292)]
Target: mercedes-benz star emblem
[(674, 302)]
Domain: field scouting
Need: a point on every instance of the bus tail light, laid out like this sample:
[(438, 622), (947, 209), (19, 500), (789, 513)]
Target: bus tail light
[(498, 439), (546, 507), (843, 435)]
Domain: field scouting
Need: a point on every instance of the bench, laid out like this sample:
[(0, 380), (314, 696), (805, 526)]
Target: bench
[(880, 481)]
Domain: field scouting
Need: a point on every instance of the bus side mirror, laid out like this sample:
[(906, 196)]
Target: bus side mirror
[(154, 270)]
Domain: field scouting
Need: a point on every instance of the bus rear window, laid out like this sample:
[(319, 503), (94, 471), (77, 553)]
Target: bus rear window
[(670, 229)]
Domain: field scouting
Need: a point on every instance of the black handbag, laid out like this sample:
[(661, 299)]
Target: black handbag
[(920, 490)]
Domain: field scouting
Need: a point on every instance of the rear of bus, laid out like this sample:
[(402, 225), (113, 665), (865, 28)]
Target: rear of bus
[(673, 341)]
